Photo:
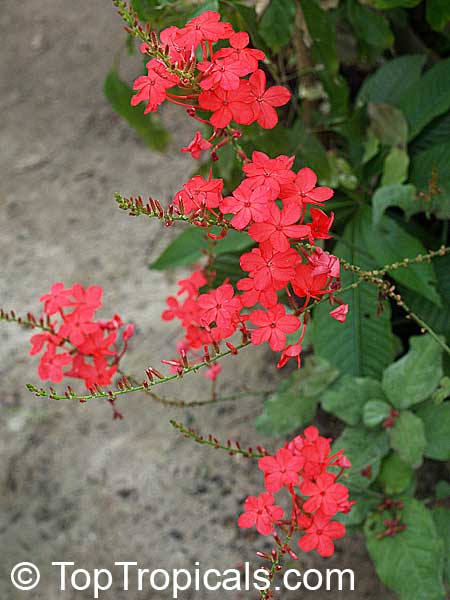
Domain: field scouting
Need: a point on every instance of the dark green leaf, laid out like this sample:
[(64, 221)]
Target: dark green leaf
[(410, 562), (388, 124), (360, 511), (186, 249), (438, 13), (277, 23), (395, 476), (364, 448), (370, 27), (414, 377), (428, 98), (401, 196), (434, 162), (389, 4), (294, 404), (437, 132), (441, 516), (390, 82), (347, 397), (364, 345), (408, 438), (311, 151), (375, 412), (390, 244), (149, 127), (436, 420)]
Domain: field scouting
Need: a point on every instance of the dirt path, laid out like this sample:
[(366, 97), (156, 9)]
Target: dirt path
[(74, 484)]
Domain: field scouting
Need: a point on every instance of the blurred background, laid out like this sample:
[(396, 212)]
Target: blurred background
[(75, 485)]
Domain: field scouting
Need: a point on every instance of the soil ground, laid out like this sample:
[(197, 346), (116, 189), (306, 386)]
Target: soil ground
[(74, 485)]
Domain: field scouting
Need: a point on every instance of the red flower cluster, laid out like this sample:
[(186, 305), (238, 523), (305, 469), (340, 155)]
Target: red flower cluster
[(89, 349), (302, 467), (276, 207), (216, 83)]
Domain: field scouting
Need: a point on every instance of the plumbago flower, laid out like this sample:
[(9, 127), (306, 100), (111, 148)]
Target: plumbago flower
[(280, 210), (308, 471), (88, 349)]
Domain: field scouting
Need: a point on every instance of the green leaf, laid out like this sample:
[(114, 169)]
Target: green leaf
[(370, 27), (395, 476), (389, 4), (438, 14), (428, 98), (411, 562), (347, 397), (186, 249), (227, 266), (437, 132), (388, 124), (401, 196), (294, 404), (322, 31), (148, 127), (204, 6), (364, 345), (390, 82), (395, 168), (408, 438), (423, 166), (312, 152), (436, 420), (277, 23), (443, 391), (441, 517), (360, 511), (392, 244), (437, 317), (364, 448), (415, 376), (375, 412)]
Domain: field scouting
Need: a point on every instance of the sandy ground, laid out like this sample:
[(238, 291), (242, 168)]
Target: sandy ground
[(74, 485)]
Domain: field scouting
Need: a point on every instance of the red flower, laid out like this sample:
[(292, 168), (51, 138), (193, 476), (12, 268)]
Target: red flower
[(207, 27), (78, 325), (320, 535), (263, 101), (57, 298), (91, 298), (325, 494), (262, 512), (268, 268), (320, 226), (273, 326), (291, 351), (219, 73), (307, 284), (197, 146), (279, 227), (227, 106), (280, 470), (304, 191), (247, 204), (219, 305), (151, 88), (251, 296), (340, 313), (271, 173), (247, 58), (199, 193), (51, 364)]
